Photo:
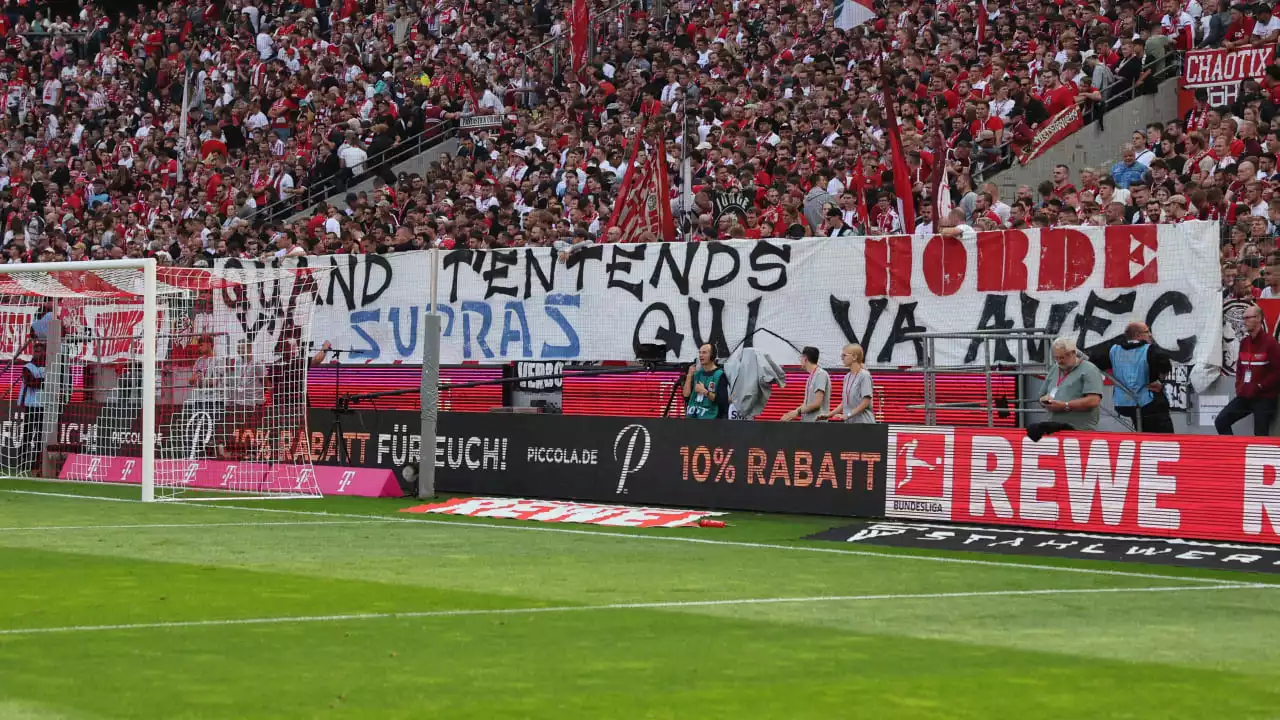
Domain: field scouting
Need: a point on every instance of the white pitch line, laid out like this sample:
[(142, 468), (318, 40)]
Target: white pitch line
[(1048, 592), (144, 526), (683, 539), (73, 496), (744, 544)]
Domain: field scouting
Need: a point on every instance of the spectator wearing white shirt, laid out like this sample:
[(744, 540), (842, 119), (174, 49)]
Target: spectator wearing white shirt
[(1266, 29), (256, 121), (490, 101), (266, 46), (352, 155), (287, 246), (252, 13), (1002, 210), (333, 221), (1175, 19)]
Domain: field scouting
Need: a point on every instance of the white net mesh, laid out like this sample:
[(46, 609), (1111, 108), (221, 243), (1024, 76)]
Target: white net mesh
[(231, 393)]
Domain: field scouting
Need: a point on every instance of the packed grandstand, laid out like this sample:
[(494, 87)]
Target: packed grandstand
[(774, 110)]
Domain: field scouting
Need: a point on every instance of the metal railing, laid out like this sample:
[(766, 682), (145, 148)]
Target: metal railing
[(435, 133), (604, 25), (1023, 366), (1161, 69), (991, 366)]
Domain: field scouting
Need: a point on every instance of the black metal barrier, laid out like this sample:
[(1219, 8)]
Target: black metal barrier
[(813, 468)]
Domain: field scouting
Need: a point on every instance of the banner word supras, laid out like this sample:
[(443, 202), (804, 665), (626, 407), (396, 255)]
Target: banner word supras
[(603, 302)]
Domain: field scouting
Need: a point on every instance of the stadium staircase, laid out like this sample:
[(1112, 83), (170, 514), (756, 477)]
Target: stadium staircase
[(413, 155)]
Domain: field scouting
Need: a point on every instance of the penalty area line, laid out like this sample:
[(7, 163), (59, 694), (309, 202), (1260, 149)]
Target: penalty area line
[(671, 605)]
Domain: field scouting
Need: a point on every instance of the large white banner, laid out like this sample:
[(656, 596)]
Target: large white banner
[(600, 303)]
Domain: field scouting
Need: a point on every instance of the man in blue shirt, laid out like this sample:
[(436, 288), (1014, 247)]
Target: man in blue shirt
[(1138, 365), (1128, 171)]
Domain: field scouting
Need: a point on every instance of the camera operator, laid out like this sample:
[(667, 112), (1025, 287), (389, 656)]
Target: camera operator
[(705, 390)]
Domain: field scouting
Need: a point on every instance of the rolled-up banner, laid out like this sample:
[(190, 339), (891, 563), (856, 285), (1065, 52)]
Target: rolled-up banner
[(1052, 132)]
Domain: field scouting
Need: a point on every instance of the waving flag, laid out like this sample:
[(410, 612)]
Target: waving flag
[(852, 13), (579, 23), (859, 183), (644, 203), (901, 174), (940, 182)]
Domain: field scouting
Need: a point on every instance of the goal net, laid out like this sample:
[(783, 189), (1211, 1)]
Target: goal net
[(212, 398)]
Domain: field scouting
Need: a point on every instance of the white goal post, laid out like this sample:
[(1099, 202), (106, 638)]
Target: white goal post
[(174, 379)]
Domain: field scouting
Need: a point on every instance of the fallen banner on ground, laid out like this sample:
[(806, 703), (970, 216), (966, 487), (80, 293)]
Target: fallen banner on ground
[(602, 302), (1180, 486), (1045, 543), (559, 511)]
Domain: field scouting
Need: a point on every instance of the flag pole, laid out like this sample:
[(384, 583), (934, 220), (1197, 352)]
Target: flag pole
[(182, 122), (902, 186), (686, 167)]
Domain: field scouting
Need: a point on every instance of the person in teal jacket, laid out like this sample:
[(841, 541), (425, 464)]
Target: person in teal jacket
[(706, 393)]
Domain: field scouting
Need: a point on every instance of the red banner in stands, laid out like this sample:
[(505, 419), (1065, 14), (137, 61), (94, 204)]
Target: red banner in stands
[(1207, 68), (1053, 132), (1187, 486), (1220, 73)]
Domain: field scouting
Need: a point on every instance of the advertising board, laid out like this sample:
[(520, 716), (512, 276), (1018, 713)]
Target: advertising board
[(1182, 486)]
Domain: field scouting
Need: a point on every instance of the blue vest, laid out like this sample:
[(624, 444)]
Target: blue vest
[(1130, 368)]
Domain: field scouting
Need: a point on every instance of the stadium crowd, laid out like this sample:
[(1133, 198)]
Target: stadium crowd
[(770, 101)]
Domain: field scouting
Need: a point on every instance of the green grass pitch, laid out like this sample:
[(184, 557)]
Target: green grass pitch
[(344, 608)]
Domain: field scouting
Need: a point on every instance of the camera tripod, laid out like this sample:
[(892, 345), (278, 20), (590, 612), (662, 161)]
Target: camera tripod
[(341, 407)]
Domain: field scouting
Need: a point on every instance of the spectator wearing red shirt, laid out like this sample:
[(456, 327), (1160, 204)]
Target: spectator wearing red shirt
[(1257, 378), (1059, 96), (1062, 181), (985, 121)]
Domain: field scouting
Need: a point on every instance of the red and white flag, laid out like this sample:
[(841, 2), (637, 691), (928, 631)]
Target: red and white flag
[(579, 25), (901, 174), (644, 203), (849, 14), (940, 182), (859, 182), (981, 22)]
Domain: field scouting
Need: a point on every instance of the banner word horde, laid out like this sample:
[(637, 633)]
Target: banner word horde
[(566, 512), (602, 302)]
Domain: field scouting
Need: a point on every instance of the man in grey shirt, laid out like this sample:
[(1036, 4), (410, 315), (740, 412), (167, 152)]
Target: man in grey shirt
[(855, 401), (817, 391), (1071, 394), (817, 200)]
